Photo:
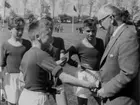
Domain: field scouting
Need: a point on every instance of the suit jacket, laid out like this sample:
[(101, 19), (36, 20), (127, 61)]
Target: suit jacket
[(119, 68), (109, 34)]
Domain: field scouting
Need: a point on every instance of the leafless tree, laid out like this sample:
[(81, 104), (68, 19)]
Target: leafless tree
[(45, 7), (133, 7), (24, 3), (91, 3), (64, 5), (53, 4), (79, 7), (105, 1), (119, 3)]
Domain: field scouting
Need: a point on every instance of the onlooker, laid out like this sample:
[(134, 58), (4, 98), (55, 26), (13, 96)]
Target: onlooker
[(12, 52), (36, 64), (89, 51), (119, 63), (56, 42), (57, 51), (61, 28)]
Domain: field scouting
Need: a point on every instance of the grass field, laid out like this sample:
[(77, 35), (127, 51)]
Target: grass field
[(69, 38)]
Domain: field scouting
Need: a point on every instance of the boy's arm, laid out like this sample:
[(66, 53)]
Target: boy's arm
[(49, 65), (62, 50), (62, 45), (1, 73), (3, 56), (72, 50), (69, 79), (52, 51)]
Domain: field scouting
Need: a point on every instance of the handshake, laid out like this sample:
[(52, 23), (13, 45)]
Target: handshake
[(96, 88)]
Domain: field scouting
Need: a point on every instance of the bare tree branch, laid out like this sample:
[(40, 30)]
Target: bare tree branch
[(64, 5), (53, 4), (91, 2)]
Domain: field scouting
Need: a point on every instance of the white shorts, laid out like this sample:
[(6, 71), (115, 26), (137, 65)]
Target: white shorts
[(21, 81), (28, 97), (11, 86), (83, 75)]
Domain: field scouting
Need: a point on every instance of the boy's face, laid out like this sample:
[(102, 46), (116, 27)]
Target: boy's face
[(90, 33), (17, 32), (46, 34)]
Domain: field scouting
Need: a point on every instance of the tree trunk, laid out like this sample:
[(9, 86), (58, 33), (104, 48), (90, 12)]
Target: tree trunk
[(90, 9)]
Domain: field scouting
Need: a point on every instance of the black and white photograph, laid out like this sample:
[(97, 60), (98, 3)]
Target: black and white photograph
[(69, 52)]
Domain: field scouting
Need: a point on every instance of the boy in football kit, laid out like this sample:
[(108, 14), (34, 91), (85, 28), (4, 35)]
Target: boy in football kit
[(36, 64)]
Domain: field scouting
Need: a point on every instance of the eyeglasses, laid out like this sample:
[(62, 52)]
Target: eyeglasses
[(101, 20)]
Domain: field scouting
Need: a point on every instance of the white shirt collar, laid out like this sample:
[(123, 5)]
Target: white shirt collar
[(117, 29)]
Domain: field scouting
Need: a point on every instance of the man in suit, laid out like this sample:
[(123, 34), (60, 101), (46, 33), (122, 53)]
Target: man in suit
[(119, 63)]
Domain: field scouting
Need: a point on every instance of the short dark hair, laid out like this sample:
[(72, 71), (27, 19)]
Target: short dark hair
[(38, 24), (49, 21), (91, 23), (32, 27), (16, 22)]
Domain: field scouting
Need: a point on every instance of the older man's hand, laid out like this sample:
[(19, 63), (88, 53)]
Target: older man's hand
[(100, 93), (96, 88)]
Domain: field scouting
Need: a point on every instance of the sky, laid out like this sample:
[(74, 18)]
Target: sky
[(34, 4), (70, 10), (16, 4)]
